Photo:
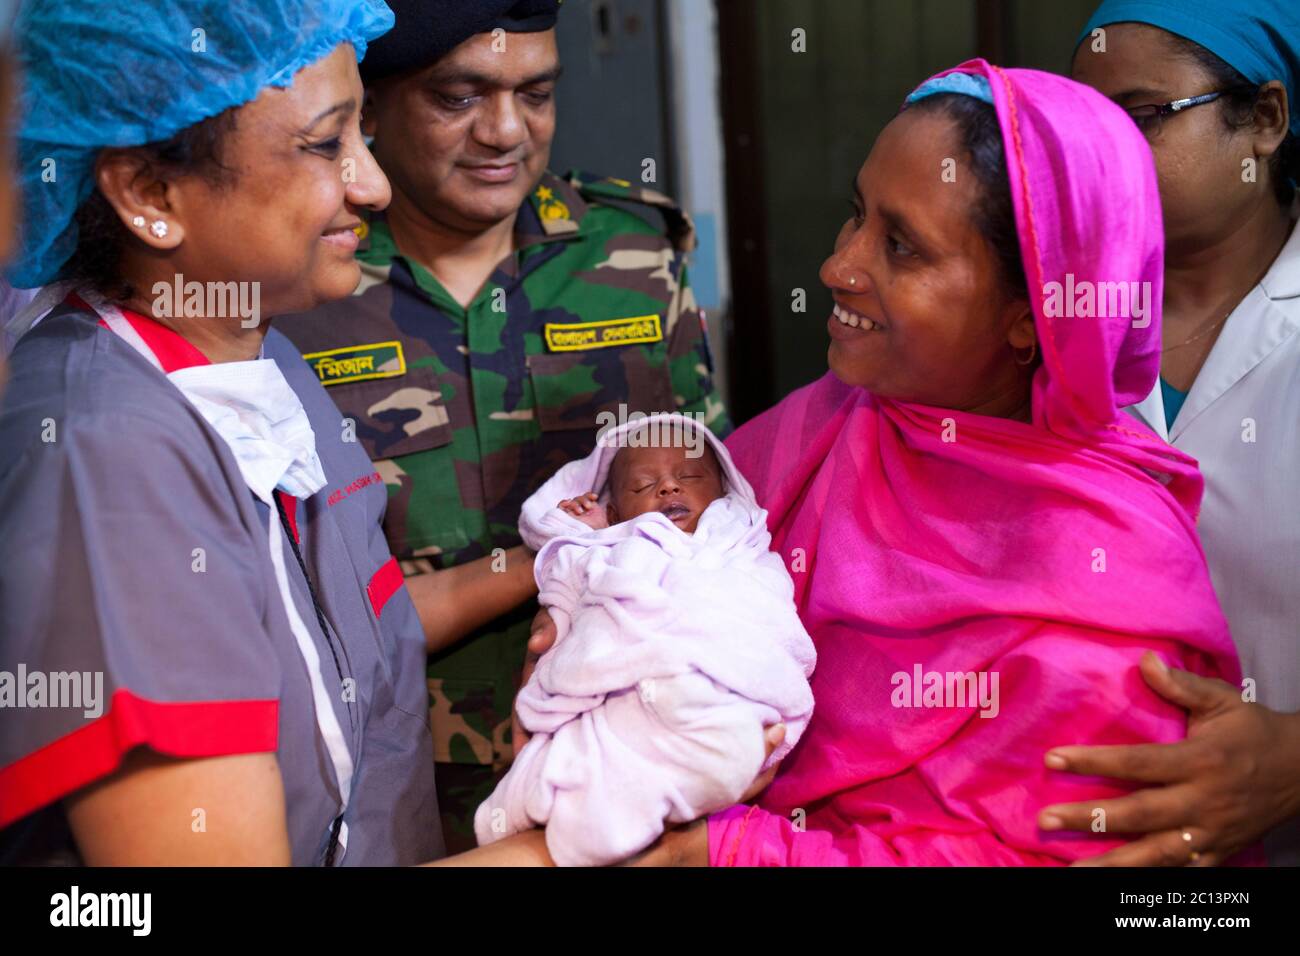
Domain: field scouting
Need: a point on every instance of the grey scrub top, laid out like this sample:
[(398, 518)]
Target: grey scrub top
[(131, 548)]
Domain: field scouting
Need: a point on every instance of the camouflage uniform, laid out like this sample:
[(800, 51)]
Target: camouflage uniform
[(465, 412)]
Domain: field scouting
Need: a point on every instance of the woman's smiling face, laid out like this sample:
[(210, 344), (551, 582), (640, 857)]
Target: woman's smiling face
[(922, 312), (286, 213)]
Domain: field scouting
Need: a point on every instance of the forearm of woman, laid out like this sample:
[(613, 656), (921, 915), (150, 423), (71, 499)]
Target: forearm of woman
[(160, 811), (680, 846), (686, 845), (1293, 724), (522, 849), (455, 602), (1280, 770)]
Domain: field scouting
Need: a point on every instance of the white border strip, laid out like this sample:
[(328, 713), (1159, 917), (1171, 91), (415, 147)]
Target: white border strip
[(326, 720)]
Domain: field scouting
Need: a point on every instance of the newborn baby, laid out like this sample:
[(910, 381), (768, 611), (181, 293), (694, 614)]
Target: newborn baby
[(663, 479), (677, 643)]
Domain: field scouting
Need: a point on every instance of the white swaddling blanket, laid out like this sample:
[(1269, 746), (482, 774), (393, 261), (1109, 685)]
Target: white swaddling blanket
[(674, 651)]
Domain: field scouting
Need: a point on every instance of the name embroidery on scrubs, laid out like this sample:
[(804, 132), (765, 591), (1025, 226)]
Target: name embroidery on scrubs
[(364, 481), (577, 336), (358, 363)]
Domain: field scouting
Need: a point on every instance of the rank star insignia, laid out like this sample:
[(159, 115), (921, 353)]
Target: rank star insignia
[(554, 210), (549, 208)]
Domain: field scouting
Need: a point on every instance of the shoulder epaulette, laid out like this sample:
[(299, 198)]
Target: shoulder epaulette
[(680, 228)]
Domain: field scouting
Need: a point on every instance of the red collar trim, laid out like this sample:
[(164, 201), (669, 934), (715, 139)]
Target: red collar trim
[(172, 351)]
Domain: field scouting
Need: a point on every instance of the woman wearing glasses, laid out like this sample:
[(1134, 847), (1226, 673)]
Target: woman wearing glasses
[(1213, 86)]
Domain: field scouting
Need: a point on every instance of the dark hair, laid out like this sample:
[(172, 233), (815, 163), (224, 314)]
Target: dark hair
[(1238, 110), (995, 214), (101, 236)]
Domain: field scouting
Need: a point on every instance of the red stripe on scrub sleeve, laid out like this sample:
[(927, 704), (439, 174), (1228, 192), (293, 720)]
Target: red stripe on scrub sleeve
[(384, 585), (186, 730)]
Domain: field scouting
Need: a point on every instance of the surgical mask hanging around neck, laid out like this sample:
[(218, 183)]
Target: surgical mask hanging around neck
[(261, 420)]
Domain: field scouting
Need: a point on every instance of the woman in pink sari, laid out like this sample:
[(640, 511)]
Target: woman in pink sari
[(983, 545), (961, 502)]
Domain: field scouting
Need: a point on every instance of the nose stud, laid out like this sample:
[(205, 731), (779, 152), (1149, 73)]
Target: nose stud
[(853, 280)]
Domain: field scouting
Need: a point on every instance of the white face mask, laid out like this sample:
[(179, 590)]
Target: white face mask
[(261, 420)]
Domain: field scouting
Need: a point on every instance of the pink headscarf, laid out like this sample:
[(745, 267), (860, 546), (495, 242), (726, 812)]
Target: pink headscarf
[(1051, 554)]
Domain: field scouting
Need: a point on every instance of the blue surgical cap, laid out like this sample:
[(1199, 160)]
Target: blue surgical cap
[(101, 73), (1260, 39)]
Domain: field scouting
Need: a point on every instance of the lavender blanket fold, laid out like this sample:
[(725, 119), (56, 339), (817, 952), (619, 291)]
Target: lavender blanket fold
[(674, 651)]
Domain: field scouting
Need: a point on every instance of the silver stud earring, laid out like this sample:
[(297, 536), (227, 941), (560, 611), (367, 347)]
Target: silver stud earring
[(853, 280), (138, 222), (159, 228)]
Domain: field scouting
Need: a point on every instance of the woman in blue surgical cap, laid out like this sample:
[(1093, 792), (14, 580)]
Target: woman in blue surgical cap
[(209, 642), (1214, 84)]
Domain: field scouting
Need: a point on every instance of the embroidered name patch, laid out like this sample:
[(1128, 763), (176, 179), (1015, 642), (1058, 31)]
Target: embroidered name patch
[(358, 363), (575, 336)]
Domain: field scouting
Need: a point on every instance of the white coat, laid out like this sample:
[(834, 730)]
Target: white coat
[(1241, 421)]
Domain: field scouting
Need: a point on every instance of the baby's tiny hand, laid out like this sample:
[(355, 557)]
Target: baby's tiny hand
[(585, 509)]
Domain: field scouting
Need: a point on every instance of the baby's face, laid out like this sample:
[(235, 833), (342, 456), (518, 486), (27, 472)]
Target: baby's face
[(666, 480)]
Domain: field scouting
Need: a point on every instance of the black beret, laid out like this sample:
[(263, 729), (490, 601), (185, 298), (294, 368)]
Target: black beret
[(428, 30)]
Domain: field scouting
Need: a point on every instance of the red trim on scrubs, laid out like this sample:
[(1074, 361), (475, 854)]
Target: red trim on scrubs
[(187, 730), (384, 585), (171, 350), (169, 347), (290, 511)]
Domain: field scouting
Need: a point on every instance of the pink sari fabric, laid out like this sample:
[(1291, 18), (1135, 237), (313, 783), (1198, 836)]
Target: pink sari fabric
[(1051, 554)]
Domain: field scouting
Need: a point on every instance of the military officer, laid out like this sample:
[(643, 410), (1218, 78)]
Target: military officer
[(502, 309)]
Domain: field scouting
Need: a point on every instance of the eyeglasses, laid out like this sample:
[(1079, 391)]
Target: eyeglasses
[(1150, 118)]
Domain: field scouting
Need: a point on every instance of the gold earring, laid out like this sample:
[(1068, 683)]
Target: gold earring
[(1033, 354)]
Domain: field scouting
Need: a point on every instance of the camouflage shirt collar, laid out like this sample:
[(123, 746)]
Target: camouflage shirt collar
[(554, 210)]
